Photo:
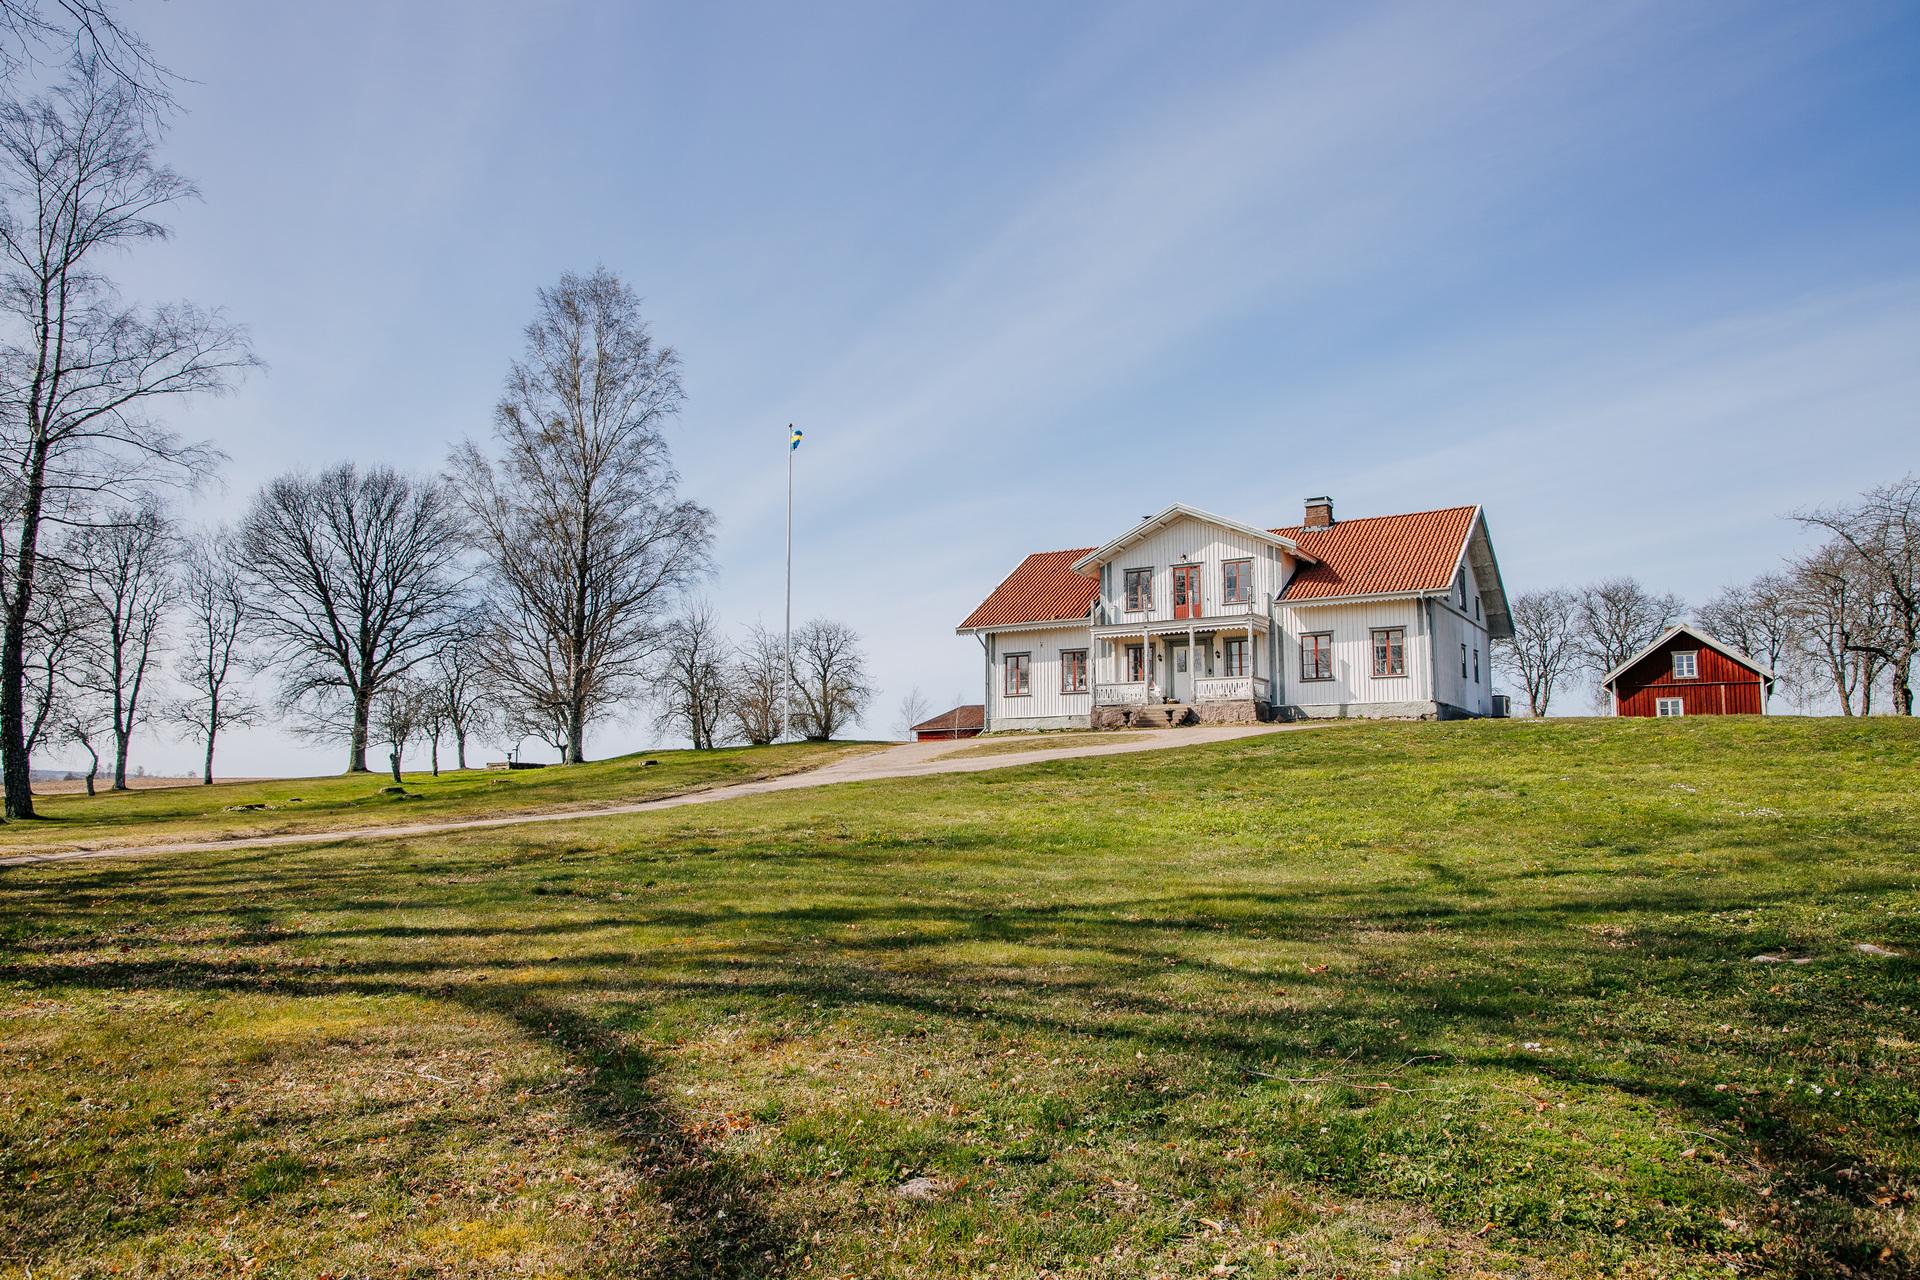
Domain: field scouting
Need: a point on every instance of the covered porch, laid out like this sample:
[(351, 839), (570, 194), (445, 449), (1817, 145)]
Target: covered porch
[(1195, 662)]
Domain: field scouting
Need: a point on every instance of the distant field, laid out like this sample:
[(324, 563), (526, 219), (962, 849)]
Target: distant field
[(271, 806), (1410, 1000)]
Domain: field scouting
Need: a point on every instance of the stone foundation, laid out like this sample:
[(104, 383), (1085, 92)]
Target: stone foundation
[(1242, 711), (1109, 717)]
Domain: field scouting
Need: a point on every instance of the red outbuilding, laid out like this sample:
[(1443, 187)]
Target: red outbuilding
[(961, 722), (1687, 672)]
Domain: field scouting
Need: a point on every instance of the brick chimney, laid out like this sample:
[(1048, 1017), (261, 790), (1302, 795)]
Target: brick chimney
[(1319, 513)]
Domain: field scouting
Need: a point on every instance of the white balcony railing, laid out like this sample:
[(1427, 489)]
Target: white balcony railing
[(1230, 689), (1132, 694)]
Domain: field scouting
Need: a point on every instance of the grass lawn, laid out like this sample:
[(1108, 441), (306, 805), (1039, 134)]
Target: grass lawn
[(1418, 1000), (235, 809), (1014, 744)]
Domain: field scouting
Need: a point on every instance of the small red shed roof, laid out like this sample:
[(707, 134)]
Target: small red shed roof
[(971, 716), (1682, 629)]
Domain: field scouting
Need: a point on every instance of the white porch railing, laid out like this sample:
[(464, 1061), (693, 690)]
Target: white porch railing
[(1230, 688), (1133, 694)]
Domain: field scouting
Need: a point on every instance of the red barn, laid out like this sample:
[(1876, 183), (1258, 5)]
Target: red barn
[(961, 722), (1687, 672)]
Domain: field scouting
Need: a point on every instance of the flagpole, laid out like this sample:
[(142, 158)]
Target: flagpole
[(786, 640)]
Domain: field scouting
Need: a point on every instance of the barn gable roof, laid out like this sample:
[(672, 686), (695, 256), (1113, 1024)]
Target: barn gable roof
[(1679, 629), (972, 715)]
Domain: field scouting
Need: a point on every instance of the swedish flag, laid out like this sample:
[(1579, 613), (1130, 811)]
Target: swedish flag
[(793, 440)]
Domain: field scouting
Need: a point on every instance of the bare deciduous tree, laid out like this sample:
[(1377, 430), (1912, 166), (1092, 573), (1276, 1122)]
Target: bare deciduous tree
[(1838, 617), (461, 691), (694, 680), (79, 32), (758, 688), (77, 721), (1618, 618), (53, 635), (830, 688), (586, 538), (354, 575), (80, 372), (215, 615), (1758, 618), (1883, 530), (397, 717), (913, 709), (1545, 646), (124, 585)]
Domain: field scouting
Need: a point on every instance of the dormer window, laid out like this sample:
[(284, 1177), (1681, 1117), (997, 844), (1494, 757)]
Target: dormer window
[(1686, 664), (1139, 590)]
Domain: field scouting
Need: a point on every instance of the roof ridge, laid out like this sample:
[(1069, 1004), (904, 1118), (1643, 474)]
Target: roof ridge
[(1395, 515)]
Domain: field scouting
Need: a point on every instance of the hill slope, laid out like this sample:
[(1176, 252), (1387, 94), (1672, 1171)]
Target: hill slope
[(1370, 1000)]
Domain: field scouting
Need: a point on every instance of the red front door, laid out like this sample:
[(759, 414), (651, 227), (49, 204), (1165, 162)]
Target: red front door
[(1186, 591)]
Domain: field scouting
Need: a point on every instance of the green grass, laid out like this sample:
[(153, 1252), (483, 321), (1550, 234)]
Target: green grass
[(1367, 1000), (231, 810), (1014, 744)]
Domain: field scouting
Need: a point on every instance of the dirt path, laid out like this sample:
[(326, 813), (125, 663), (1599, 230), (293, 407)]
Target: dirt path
[(913, 760)]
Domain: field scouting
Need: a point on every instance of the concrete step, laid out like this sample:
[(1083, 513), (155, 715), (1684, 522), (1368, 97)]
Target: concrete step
[(1160, 715)]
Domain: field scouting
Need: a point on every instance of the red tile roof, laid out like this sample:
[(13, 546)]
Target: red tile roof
[(971, 716), (1378, 555), (1043, 589), (1372, 555)]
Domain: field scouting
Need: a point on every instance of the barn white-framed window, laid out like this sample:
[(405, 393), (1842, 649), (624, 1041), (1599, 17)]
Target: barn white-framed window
[(1139, 590), (1234, 650), (1019, 675), (1073, 671), (1316, 655), (1390, 651), (1236, 581), (1669, 707), (1686, 664)]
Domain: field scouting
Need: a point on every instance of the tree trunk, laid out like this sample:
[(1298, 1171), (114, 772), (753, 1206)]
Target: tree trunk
[(577, 732), (357, 739), (434, 751), (121, 739), (207, 778), (16, 770), (393, 762), (460, 747)]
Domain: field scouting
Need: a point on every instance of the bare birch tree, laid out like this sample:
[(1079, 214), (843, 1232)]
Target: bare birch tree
[(81, 373), (1883, 530), (124, 587), (1839, 620), (586, 539), (913, 709), (830, 684), (461, 689), (1545, 646), (215, 615), (1618, 618), (1759, 619), (758, 688), (355, 579), (396, 717), (76, 32), (694, 679)]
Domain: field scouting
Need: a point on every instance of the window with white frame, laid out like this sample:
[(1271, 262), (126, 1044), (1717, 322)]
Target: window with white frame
[(1073, 671), (1019, 676), (1669, 707), (1686, 664), (1139, 590)]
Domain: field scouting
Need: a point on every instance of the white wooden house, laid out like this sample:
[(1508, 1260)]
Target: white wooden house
[(1192, 615)]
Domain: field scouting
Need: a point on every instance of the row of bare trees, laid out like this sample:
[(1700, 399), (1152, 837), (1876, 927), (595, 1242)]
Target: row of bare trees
[(1836, 624), (715, 691)]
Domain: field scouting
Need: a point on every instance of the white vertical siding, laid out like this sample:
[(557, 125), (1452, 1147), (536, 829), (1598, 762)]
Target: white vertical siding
[(1046, 699), (1353, 680), (1200, 542)]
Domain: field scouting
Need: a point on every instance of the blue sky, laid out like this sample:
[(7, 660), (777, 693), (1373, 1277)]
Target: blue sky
[(1639, 278)]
